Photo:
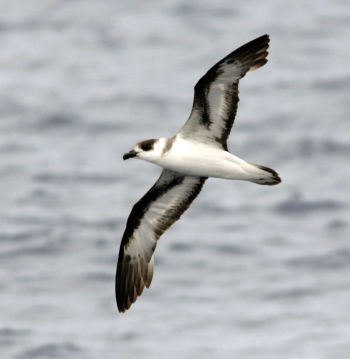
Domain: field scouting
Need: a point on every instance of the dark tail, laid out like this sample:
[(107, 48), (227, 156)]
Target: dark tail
[(266, 176)]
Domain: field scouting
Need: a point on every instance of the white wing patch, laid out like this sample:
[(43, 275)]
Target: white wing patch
[(216, 94), (162, 205)]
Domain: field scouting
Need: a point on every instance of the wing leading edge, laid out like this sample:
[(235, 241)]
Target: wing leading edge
[(150, 217), (216, 93)]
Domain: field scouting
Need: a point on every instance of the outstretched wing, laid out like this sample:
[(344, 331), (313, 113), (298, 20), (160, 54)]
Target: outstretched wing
[(150, 217), (216, 93)]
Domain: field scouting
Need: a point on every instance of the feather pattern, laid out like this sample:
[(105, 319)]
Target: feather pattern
[(216, 94), (150, 217), (205, 132)]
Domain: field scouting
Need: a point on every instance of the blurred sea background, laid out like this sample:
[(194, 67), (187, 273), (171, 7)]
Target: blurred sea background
[(249, 271)]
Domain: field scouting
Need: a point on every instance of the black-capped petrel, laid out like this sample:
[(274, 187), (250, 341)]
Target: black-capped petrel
[(196, 152)]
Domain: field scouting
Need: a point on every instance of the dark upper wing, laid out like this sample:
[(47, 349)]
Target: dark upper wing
[(216, 93), (150, 217)]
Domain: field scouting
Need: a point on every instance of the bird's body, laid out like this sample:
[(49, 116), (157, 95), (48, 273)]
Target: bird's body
[(198, 151), (194, 158)]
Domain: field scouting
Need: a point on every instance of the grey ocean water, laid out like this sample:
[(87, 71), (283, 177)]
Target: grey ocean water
[(249, 271)]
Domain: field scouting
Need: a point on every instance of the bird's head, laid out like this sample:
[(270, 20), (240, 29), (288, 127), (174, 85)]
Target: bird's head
[(148, 150)]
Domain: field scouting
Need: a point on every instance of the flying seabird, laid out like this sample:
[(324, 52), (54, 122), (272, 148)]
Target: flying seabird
[(196, 152)]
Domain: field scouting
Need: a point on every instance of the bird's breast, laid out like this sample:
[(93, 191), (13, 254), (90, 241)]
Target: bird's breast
[(198, 159)]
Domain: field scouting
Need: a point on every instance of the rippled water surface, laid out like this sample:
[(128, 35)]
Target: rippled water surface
[(249, 271)]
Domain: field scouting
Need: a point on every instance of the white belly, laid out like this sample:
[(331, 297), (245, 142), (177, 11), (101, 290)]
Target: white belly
[(197, 159)]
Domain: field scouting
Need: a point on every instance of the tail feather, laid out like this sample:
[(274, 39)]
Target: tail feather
[(266, 176)]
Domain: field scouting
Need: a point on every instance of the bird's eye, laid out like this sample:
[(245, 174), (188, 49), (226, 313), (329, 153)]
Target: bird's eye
[(146, 146)]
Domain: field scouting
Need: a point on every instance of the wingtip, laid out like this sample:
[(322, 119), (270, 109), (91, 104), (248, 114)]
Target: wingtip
[(253, 54), (131, 279), (265, 37), (123, 306)]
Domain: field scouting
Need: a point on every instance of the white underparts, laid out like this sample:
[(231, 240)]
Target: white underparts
[(194, 158)]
